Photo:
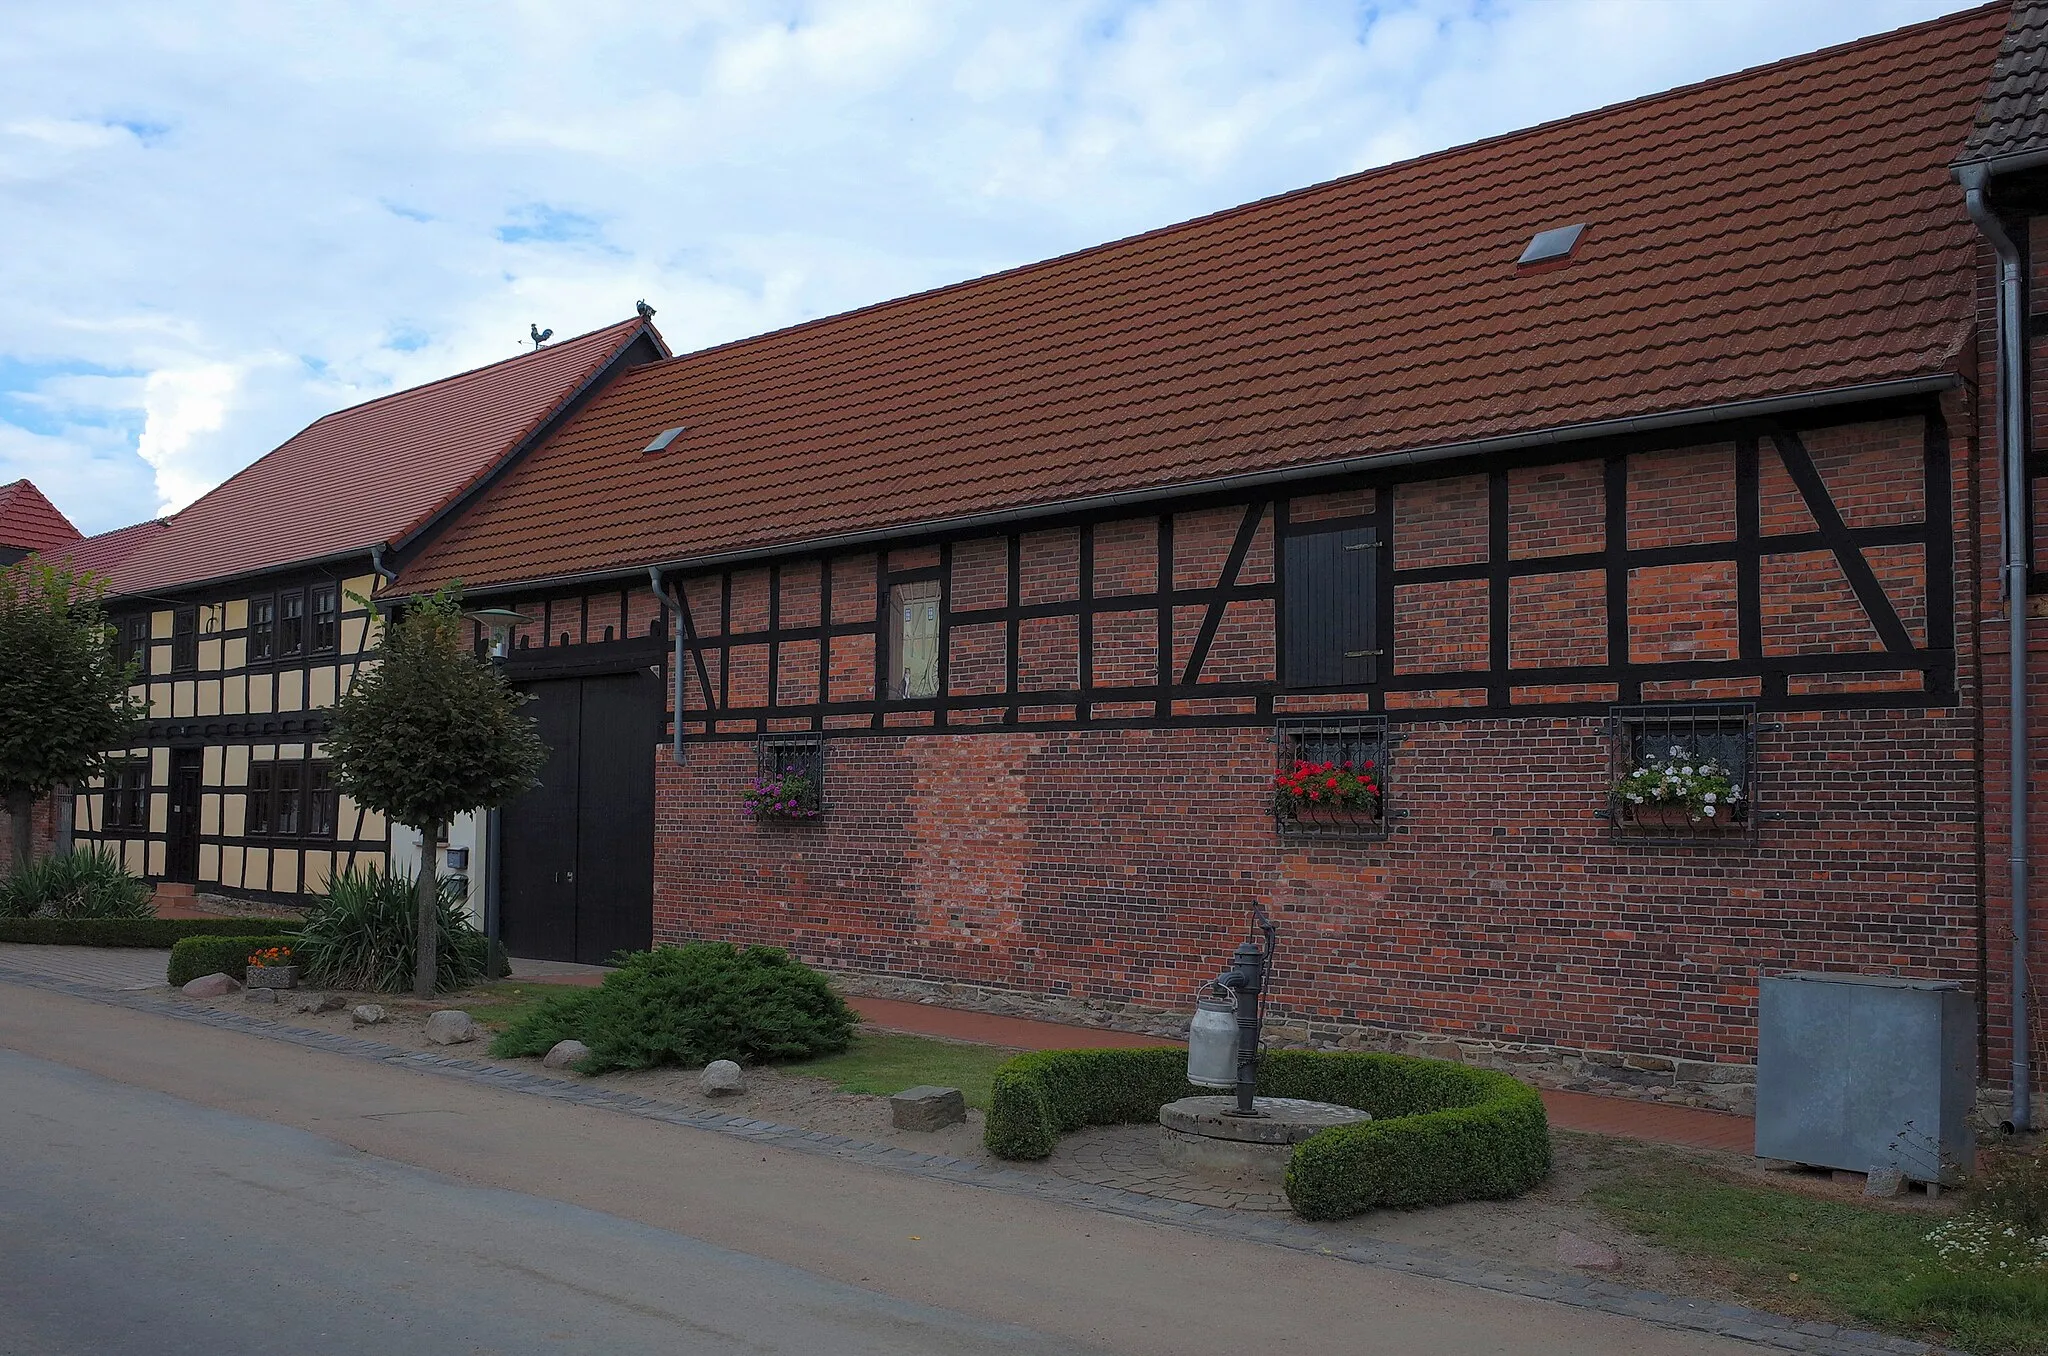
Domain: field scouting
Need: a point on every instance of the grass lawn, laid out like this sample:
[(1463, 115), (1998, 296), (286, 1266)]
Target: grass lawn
[(884, 1062), (506, 1001), (1823, 1259)]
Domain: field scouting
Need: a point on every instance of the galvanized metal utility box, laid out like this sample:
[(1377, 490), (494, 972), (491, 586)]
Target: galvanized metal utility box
[(1862, 1072)]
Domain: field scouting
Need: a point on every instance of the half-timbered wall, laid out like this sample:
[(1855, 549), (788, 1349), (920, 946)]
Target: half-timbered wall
[(252, 725), (1083, 808)]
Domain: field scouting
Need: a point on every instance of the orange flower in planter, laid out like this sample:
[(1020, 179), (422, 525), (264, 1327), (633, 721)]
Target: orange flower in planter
[(271, 957)]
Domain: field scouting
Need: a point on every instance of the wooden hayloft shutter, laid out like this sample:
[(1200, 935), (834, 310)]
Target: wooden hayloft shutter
[(1331, 626)]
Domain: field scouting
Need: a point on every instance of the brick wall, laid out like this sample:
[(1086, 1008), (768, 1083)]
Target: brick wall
[(1117, 865)]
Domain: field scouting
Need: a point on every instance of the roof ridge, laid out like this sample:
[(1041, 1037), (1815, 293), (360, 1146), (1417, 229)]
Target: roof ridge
[(1357, 176)]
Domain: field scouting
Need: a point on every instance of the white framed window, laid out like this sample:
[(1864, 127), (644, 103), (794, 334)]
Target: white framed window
[(914, 640)]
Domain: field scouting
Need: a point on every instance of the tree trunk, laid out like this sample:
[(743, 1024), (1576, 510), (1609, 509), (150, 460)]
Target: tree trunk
[(427, 967), (21, 808)]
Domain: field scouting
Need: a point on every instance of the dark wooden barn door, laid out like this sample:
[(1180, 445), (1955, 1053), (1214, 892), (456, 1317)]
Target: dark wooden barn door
[(577, 859), (181, 853)]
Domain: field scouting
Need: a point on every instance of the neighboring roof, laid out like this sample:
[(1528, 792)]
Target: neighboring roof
[(373, 473), (101, 554), (2013, 119), (29, 521), (1787, 230)]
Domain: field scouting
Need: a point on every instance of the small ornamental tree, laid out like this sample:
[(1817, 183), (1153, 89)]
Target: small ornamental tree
[(429, 733), (64, 700)]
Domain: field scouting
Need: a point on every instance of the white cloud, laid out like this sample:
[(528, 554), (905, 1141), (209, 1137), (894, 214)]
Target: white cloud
[(243, 215)]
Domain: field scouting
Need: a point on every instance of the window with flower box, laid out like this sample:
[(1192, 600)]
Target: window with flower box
[(1684, 773), (789, 779), (1330, 779)]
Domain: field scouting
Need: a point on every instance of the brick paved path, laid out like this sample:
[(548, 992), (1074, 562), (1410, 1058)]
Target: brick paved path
[(99, 967)]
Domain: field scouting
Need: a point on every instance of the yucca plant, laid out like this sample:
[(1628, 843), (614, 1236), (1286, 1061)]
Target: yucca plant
[(89, 883), (364, 934)]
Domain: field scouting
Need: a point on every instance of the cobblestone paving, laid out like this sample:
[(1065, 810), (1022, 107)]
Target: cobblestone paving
[(1674, 1311), (1127, 1158), (98, 967)]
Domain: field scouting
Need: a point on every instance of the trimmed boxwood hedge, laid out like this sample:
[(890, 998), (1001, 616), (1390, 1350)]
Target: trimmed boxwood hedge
[(1440, 1131), (196, 956), (153, 934)]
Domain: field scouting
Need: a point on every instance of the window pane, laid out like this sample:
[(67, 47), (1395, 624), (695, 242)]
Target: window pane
[(185, 638), (257, 820), (290, 781), (321, 802), (326, 618), (915, 640), (291, 624), (262, 629)]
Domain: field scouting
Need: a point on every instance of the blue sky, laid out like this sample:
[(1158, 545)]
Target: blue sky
[(223, 221)]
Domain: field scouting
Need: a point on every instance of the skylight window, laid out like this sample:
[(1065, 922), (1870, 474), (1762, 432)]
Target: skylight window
[(665, 437), (1555, 243)]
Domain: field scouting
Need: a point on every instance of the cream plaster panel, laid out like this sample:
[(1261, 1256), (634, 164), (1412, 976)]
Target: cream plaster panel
[(320, 685), (262, 753), (209, 862), (231, 866), (211, 759), (159, 660), (291, 690), (209, 814), (291, 751), (256, 869), (259, 693), (284, 869), (161, 625), (184, 698), (209, 654), (319, 750), (373, 829), (211, 619), (233, 808), (319, 867), (209, 697), (134, 859), (159, 700), (237, 613), (159, 812), (352, 629), (236, 653), (234, 695), (369, 861), (160, 767), (156, 860), (362, 586)]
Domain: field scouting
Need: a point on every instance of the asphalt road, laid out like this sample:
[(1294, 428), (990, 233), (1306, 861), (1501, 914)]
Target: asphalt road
[(169, 1188), (135, 1223)]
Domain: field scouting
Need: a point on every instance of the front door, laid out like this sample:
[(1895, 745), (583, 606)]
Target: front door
[(576, 865), (181, 854)]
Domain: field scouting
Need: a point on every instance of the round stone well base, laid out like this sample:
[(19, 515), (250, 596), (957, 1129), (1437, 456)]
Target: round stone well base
[(1201, 1137)]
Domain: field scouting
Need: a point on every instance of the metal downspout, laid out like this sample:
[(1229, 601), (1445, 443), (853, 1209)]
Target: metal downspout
[(2013, 456), (675, 612)]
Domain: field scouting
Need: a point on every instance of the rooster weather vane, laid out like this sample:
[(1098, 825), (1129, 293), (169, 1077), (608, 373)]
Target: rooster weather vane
[(540, 336)]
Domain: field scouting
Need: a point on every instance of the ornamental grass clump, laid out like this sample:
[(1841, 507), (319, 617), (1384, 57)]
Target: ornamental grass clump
[(1701, 787), (88, 883), (690, 1005), (364, 934), (1308, 786)]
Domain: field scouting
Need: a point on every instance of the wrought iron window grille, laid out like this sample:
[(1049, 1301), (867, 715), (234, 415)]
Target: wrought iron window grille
[(796, 762), (1685, 735), (1362, 742)]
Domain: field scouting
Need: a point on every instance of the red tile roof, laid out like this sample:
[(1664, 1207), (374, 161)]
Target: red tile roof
[(2014, 117), (1787, 230), (373, 473), (29, 521), (99, 555)]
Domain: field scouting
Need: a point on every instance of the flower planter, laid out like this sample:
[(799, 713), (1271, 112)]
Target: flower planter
[(1676, 818), (1335, 817), (272, 977)]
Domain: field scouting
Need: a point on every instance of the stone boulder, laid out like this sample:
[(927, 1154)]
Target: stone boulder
[(452, 1026), (927, 1108), (720, 1077), (565, 1055), (262, 996), (319, 1002), (211, 986), (366, 1014)]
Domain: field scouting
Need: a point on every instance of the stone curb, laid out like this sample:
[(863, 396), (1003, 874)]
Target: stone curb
[(1723, 1320)]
